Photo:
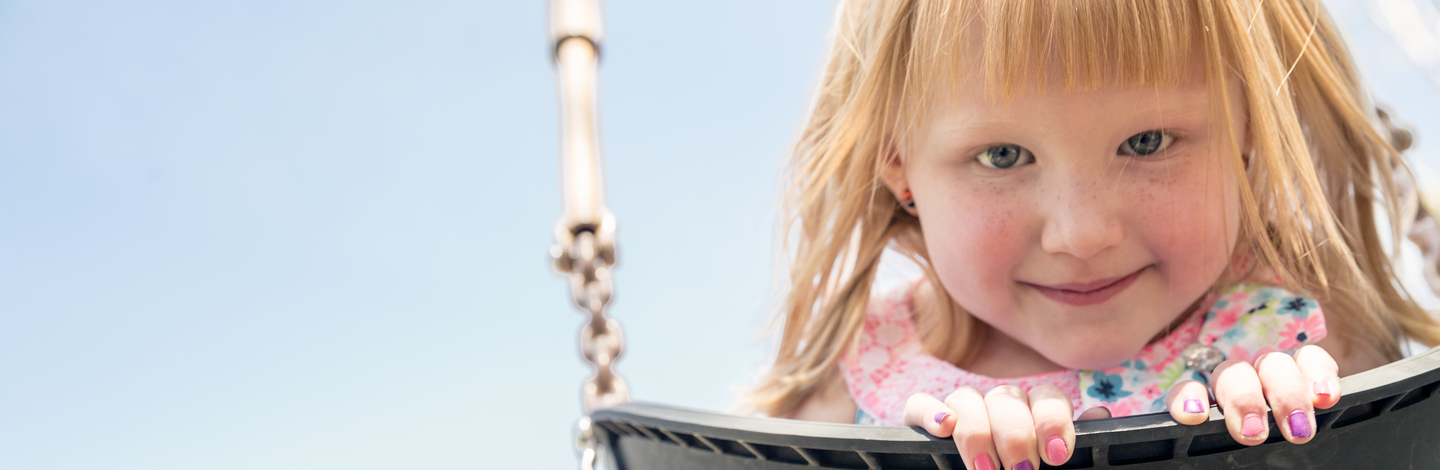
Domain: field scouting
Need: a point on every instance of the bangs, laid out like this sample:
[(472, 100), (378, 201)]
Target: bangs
[(1040, 45)]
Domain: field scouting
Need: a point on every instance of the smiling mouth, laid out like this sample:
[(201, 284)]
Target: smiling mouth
[(1080, 294)]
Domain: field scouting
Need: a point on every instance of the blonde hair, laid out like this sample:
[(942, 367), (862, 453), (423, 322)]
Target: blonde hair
[(1318, 170)]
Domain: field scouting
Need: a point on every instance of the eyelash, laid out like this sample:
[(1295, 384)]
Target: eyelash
[(987, 157), (1022, 156), (1167, 138)]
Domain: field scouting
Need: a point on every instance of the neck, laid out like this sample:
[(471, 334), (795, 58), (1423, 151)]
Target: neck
[(1202, 302), (1002, 355), (1005, 357)]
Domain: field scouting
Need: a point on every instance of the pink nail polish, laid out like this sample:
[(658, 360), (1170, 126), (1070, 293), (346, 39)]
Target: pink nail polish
[(1055, 448), (982, 462), (1252, 426), (1322, 387), (1192, 406), (940, 417)]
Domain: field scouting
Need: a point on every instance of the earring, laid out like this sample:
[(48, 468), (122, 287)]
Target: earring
[(907, 199)]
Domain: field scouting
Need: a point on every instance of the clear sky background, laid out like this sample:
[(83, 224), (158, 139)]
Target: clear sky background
[(313, 234)]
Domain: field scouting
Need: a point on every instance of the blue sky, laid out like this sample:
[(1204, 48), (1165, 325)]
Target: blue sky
[(313, 234)]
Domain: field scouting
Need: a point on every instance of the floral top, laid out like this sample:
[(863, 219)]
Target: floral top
[(890, 363)]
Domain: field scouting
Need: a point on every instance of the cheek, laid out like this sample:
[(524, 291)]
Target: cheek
[(1190, 220), (975, 237)]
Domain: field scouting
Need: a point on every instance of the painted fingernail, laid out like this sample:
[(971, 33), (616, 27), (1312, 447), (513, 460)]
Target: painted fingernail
[(940, 417), (1322, 387), (1253, 426), (1192, 406), (1300, 424), (1024, 465), (1056, 449), (982, 462)]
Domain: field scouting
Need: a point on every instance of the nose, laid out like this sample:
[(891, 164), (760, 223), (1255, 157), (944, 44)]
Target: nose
[(1081, 215)]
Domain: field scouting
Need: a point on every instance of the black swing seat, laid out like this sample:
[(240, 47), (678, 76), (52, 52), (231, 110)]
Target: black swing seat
[(1388, 418)]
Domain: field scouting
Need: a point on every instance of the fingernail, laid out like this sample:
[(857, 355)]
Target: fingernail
[(1322, 387), (982, 462), (940, 417), (1024, 465), (1193, 406), (1253, 426), (1300, 424), (1056, 448)]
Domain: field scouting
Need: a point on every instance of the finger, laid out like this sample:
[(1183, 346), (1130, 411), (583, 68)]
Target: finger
[(1098, 412), (1288, 395), (1321, 373), (972, 428), (1189, 402), (926, 411), (1238, 392), (1052, 411), (1012, 427)]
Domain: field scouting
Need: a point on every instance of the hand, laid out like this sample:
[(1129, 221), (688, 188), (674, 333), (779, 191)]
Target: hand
[(1293, 386), (1004, 428)]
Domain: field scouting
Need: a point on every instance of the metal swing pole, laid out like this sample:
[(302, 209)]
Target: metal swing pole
[(584, 247)]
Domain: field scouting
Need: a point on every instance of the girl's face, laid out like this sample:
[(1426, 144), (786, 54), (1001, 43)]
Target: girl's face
[(1080, 224)]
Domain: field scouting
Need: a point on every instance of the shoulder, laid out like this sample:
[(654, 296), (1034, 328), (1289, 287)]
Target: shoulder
[(889, 321), (887, 324), (1351, 357), (896, 300), (830, 403)]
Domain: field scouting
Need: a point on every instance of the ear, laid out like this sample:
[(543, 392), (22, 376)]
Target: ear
[(892, 172)]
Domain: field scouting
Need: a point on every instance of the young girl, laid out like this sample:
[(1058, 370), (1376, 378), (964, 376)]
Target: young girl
[(1092, 187)]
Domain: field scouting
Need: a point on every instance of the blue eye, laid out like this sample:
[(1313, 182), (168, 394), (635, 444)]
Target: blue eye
[(1003, 157), (1145, 143)]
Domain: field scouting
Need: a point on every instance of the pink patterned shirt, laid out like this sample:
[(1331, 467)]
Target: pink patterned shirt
[(890, 364)]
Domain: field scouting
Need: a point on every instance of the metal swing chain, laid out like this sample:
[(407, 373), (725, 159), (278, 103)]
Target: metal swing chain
[(584, 246), (588, 260)]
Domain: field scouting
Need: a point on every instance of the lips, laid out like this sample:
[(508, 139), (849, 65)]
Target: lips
[(1080, 294)]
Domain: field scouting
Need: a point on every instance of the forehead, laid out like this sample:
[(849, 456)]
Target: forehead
[(976, 118), (1044, 100), (971, 84), (1192, 96), (1006, 48)]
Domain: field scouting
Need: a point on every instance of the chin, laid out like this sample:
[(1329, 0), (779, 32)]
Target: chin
[(1088, 356), (1091, 347)]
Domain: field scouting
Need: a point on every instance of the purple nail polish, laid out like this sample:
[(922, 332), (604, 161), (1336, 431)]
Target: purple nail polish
[(1024, 465), (1300, 424), (1193, 406), (940, 417)]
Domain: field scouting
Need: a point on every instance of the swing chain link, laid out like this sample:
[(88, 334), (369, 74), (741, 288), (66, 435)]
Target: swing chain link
[(585, 446), (588, 260)]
